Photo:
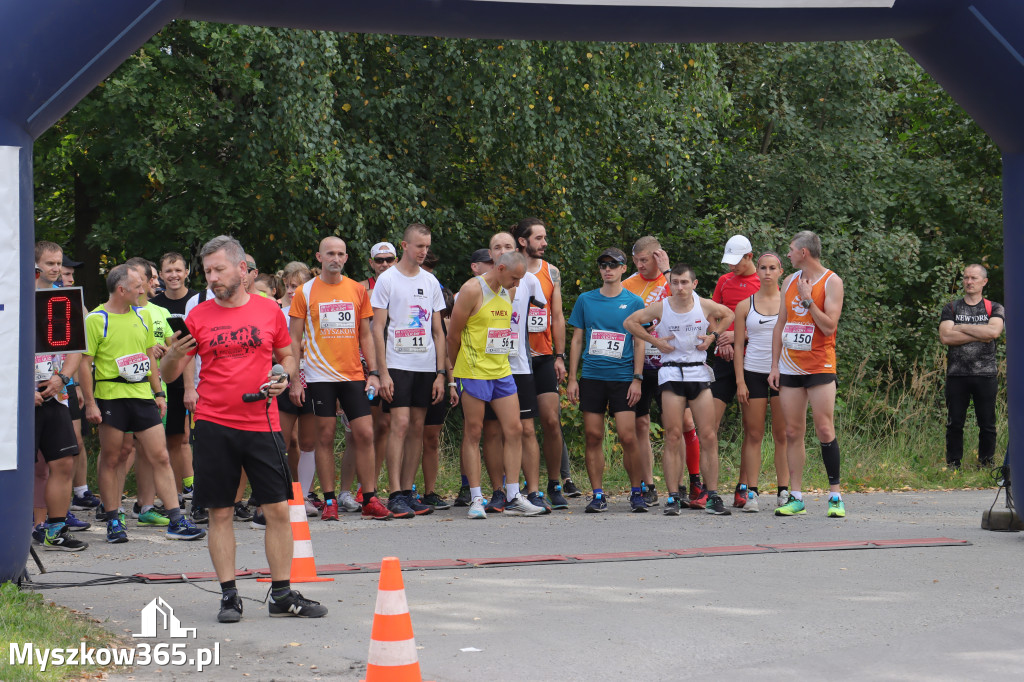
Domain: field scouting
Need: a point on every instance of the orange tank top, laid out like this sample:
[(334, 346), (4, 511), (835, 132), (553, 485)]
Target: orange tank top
[(540, 340), (805, 349)]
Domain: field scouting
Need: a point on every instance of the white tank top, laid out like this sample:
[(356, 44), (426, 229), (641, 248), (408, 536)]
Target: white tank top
[(681, 330), (758, 357)]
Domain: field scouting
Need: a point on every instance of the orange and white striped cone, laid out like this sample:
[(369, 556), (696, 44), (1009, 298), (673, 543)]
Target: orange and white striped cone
[(303, 564), (392, 655)]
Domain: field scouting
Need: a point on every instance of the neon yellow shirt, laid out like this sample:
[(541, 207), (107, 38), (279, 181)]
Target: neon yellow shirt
[(487, 338), (117, 342)]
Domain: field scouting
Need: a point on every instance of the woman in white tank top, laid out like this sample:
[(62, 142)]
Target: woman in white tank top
[(755, 324)]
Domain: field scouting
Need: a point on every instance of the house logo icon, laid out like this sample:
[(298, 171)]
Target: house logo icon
[(158, 616)]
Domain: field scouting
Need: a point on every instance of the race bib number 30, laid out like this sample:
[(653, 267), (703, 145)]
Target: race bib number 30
[(411, 340), (133, 368), (608, 344), (337, 315), (499, 342), (797, 336), (536, 320)]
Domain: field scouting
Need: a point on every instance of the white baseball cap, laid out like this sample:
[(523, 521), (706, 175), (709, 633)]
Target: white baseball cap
[(382, 247), (736, 248)]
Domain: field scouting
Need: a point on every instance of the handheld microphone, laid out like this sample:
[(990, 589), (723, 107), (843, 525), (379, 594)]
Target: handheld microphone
[(277, 373)]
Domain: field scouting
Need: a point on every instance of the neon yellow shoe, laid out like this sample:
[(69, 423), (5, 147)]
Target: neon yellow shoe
[(791, 508), (152, 517), (836, 509)]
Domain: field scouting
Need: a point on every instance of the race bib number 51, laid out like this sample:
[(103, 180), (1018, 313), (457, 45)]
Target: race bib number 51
[(797, 336), (411, 340), (608, 344), (133, 368)]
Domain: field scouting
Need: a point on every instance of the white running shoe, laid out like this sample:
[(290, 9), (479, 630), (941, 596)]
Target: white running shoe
[(520, 506), (783, 499), (476, 509), (751, 505), (348, 503), (311, 510)]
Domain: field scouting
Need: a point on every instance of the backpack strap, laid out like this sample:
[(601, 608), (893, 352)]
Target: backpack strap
[(988, 307)]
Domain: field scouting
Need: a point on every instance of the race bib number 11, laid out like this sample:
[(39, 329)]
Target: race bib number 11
[(411, 340)]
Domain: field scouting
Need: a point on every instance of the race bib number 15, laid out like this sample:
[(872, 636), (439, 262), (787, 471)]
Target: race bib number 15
[(608, 344)]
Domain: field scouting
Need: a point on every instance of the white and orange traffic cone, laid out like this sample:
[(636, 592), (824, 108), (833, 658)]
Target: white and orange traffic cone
[(392, 655), (303, 564)]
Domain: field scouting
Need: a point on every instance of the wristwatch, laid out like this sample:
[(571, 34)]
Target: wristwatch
[(159, 394), (374, 373), (638, 377), (63, 377), (806, 303), (715, 334), (564, 356), (441, 372)]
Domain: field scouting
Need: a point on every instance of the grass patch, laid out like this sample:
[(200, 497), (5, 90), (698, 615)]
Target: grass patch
[(26, 617)]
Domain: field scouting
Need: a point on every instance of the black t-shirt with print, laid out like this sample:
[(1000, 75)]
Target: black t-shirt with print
[(978, 358)]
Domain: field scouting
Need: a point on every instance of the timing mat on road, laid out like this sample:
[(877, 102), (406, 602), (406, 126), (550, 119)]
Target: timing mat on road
[(565, 559)]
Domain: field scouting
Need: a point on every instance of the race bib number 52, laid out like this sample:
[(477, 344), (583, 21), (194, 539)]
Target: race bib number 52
[(536, 320)]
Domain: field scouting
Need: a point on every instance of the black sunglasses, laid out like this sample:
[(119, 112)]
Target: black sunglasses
[(609, 265), (252, 268), (381, 261)]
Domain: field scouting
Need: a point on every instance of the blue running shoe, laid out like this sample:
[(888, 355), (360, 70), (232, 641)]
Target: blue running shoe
[(637, 503), (75, 523), (85, 502), (497, 503), (116, 533), (183, 529), (39, 534), (558, 500), (597, 505)]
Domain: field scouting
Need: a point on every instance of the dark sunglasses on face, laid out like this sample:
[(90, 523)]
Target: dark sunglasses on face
[(381, 261), (252, 268), (608, 265)]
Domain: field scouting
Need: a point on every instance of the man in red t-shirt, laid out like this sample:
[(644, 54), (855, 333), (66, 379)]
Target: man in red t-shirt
[(740, 283), (238, 336)]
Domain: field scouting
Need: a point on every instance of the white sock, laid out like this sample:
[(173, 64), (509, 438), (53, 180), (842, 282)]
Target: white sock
[(796, 495), (835, 496), (81, 490), (511, 490), (475, 493), (307, 469)]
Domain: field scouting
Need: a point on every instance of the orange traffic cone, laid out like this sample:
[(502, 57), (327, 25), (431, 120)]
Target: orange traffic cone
[(392, 646), (303, 564)]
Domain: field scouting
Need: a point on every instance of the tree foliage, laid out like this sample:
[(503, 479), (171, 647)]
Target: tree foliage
[(281, 137)]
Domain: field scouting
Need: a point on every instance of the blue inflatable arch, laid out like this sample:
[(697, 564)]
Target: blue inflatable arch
[(53, 53)]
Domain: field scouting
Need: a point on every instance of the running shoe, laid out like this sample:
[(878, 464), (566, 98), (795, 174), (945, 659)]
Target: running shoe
[(199, 515), (751, 506), (782, 498), (836, 508), (399, 507), (637, 503), (375, 509), (85, 502), (183, 529), (259, 521), (716, 506), (496, 505), (315, 500), (39, 534), (683, 497), (359, 493), (242, 512), (116, 533), (294, 604), (230, 609), (310, 509), (791, 508), (556, 497), (436, 501), (58, 538), (418, 508), (597, 505), (75, 524), (698, 496), (151, 517), (537, 499), (520, 506), (187, 492), (348, 503), (463, 499), (137, 509), (650, 494), (672, 505), (570, 489), (476, 509), (739, 498), (330, 512)]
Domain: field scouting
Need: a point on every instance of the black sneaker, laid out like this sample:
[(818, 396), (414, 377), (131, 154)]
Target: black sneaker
[(242, 512), (463, 500), (296, 605), (230, 609), (418, 508), (570, 489), (60, 539), (556, 497), (199, 515), (716, 506), (497, 502), (436, 501), (258, 521), (637, 503), (399, 506), (672, 505), (683, 497), (650, 494)]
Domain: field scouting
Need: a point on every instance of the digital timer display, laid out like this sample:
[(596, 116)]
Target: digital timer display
[(60, 320)]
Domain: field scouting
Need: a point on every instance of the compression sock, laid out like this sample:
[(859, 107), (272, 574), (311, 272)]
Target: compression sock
[(694, 479), (307, 469), (228, 589), (830, 456), (692, 453), (280, 589)]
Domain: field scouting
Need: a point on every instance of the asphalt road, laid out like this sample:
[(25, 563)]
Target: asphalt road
[(928, 613)]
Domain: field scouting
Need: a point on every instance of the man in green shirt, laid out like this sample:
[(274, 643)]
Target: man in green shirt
[(127, 396)]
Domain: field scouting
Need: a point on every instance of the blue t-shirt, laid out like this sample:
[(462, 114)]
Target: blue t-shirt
[(608, 347)]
